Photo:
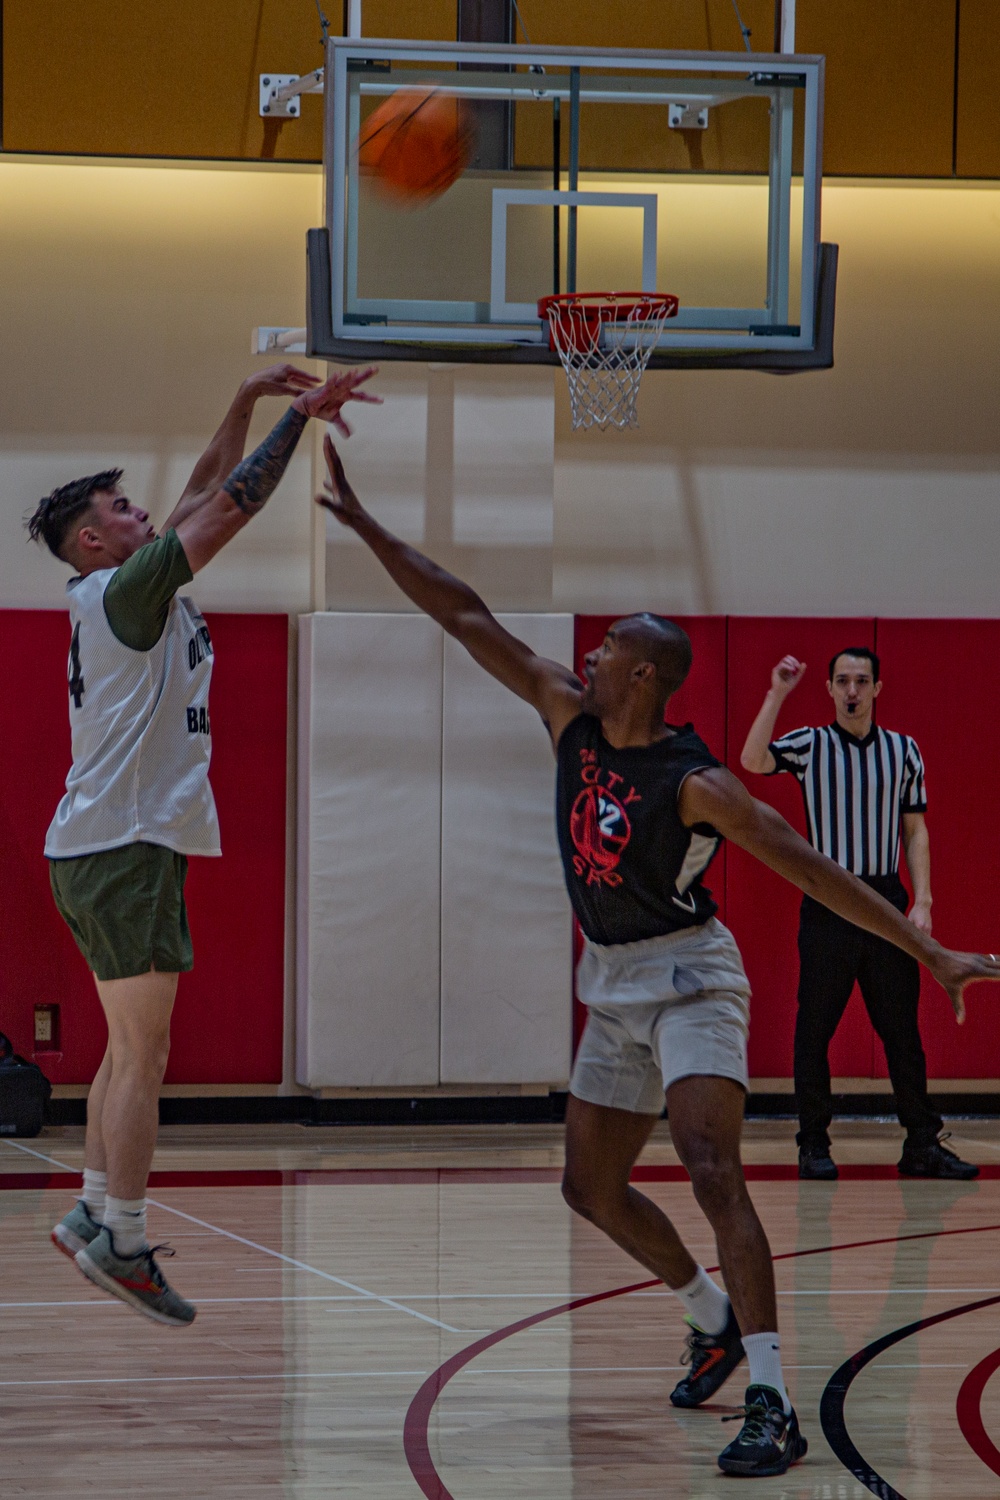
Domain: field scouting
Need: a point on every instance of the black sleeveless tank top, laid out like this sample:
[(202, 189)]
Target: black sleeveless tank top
[(633, 870)]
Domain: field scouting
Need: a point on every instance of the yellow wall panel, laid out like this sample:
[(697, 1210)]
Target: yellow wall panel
[(667, 25), (138, 78), (977, 145), (890, 84), (635, 138)]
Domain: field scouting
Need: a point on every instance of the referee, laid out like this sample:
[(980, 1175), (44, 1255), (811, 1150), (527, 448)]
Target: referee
[(863, 788)]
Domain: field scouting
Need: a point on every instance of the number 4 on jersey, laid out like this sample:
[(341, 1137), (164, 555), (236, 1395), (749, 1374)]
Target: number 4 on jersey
[(77, 685)]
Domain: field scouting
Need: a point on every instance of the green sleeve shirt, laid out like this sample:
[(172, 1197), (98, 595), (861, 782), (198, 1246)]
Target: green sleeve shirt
[(138, 597)]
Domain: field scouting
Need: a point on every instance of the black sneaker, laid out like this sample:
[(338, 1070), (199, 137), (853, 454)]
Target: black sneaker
[(713, 1357), (816, 1162), (932, 1159), (768, 1442)]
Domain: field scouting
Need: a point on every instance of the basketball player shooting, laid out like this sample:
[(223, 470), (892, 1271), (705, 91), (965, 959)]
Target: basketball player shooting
[(641, 808), (138, 799)]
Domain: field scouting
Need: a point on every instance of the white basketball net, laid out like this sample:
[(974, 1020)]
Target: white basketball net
[(604, 341)]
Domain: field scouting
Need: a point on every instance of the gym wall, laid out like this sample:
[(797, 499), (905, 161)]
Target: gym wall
[(130, 291), (434, 939), (910, 83)]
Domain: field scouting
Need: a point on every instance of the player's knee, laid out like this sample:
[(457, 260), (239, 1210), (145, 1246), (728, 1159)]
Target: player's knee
[(717, 1180), (141, 1051), (586, 1197)]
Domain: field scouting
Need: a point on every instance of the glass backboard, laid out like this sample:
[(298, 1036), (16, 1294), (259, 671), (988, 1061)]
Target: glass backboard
[(691, 173)]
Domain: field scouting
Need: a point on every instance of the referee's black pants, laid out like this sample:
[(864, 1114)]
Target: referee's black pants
[(833, 954)]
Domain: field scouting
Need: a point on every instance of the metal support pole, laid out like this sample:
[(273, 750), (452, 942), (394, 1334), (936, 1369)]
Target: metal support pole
[(556, 185), (574, 174), (784, 26), (779, 219)]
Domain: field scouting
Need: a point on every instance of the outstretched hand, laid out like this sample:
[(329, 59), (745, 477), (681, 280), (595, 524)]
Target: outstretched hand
[(326, 402), (953, 971), (280, 380), (339, 499)]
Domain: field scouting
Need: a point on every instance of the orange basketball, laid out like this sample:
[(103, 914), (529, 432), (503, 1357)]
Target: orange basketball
[(416, 144)]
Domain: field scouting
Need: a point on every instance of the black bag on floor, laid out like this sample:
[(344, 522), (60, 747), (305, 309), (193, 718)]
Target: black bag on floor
[(24, 1093)]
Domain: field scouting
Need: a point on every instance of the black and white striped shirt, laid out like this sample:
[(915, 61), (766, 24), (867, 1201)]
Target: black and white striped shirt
[(855, 791)]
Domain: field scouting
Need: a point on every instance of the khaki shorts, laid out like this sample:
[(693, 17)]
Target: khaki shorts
[(125, 908), (659, 1010)]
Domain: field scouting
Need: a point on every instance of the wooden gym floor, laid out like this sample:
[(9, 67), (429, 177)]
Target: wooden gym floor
[(394, 1312)]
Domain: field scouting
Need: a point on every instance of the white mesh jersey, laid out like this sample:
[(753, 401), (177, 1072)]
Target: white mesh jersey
[(141, 734)]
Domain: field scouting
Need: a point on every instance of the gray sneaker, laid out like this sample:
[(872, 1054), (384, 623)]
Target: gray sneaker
[(76, 1231), (136, 1279)]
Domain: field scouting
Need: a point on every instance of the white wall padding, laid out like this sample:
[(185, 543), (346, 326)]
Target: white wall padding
[(369, 850), (506, 959)]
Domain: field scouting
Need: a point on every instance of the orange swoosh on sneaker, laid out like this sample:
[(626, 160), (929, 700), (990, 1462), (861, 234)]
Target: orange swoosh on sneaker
[(710, 1361), (144, 1285)]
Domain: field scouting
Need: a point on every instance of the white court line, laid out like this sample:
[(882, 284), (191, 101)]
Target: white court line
[(235, 1379), (288, 1260), (145, 1380), (969, 1140), (916, 1291)]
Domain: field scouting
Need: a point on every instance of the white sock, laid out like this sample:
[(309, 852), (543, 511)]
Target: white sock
[(126, 1219), (764, 1354), (95, 1187), (706, 1303)]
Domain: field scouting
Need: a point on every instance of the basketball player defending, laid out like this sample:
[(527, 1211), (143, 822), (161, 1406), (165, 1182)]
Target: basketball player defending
[(641, 808), (138, 800)]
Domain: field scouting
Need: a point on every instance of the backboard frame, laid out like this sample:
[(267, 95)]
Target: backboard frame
[(506, 332)]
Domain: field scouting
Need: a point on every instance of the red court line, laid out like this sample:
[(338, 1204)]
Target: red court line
[(969, 1408), (416, 1444), (416, 1176)]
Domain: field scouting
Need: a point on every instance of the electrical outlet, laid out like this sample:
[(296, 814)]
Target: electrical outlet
[(47, 1028)]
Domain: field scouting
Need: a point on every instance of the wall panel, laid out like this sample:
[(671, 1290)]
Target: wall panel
[(619, 137), (762, 908), (890, 84), (977, 123), (506, 976), (942, 685), (369, 850), (236, 903), (120, 78)]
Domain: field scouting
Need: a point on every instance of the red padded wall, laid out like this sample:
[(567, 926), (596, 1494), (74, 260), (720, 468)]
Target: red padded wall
[(763, 909), (702, 699), (228, 1022), (942, 685)]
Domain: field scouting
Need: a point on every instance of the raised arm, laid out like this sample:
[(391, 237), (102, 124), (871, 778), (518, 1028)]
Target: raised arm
[(226, 448), (548, 686), (716, 797), (247, 489), (755, 755)]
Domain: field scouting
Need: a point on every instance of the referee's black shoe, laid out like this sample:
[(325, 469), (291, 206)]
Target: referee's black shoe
[(816, 1162), (933, 1159), (713, 1357), (769, 1442)]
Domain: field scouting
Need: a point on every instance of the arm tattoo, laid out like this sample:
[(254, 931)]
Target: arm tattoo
[(252, 482)]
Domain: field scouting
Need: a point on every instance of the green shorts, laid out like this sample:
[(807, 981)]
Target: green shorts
[(125, 908)]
